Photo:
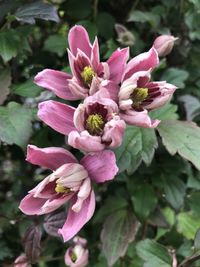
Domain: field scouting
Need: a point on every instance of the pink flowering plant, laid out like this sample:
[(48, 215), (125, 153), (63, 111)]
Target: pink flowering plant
[(88, 128)]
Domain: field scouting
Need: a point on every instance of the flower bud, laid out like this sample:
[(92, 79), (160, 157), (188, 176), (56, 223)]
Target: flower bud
[(164, 44), (22, 261), (77, 255), (125, 37)]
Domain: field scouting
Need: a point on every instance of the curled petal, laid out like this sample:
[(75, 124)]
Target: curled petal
[(101, 166), (83, 193), (57, 82), (95, 55), (84, 141), (50, 157), (117, 63), (57, 115), (113, 132), (81, 254), (142, 62), (139, 118), (76, 220), (78, 39)]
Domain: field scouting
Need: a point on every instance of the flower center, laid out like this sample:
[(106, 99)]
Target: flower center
[(73, 256), (95, 124), (61, 189), (87, 75), (138, 96)]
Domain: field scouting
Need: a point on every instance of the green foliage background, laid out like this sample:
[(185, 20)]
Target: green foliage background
[(150, 213)]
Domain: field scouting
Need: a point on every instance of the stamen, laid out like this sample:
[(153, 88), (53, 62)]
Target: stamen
[(61, 189), (138, 96), (73, 256), (95, 124), (87, 75)]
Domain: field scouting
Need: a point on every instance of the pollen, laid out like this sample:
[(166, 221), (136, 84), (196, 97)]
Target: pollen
[(138, 96), (95, 124), (61, 189), (87, 75)]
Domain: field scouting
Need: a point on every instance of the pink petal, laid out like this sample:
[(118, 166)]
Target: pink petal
[(76, 220), (31, 205), (142, 62), (82, 260), (101, 166), (57, 115), (56, 81), (50, 157), (139, 118), (117, 63), (84, 141), (95, 55), (113, 132), (78, 38), (112, 88)]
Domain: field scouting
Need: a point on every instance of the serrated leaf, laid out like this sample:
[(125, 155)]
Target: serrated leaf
[(15, 124), (31, 242), (154, 254), (175, 76), (188, 224), (5, 81), (53, 222), (56, 44), (167, 112), (144, 200), (138, 145), (26, 89), (118, 231), (29, 12), (174, 189), (182, 138), (192, 106)]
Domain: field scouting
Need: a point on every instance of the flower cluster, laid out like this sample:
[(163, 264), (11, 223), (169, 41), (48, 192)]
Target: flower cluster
[(112, 94)]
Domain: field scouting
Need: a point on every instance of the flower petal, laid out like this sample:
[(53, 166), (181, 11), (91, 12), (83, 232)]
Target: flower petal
[(50, 157), (57, 115), (76, 220), (57, 82), (139, 118), (84, 141), (117, 63), (78, 38), (101, 166), (142, 62)]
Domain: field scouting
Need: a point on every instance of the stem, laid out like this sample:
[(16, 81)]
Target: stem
[(188, 261), (95, 7)]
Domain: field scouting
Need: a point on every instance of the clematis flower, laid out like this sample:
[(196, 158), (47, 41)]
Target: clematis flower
[(91, 127), (87, 71), (77, 255), (164, 44), (138, 95), (69, 181)]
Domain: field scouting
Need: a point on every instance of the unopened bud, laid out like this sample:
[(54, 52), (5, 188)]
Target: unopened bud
[(164, 44), (125, 37)]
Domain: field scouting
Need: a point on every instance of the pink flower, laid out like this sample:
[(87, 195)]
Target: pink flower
[(164, 44), (92, 127), (138, 94), (22, 261), (87, 70), (70, 180), (77, 255)]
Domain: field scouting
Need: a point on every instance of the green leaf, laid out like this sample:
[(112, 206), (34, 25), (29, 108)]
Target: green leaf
[(197, 240), (144, 201), (174, 189), (15, 124), (139, 16), (4, 251), (78, 9), (182, 138), (9, 44), (5, 81), (175, 76), (138, 145), (187, 224), (167, 112), (191, 105), (56, 44), (154, 254), (29, 12), (118, 231), (193, 201), (26, 89), (105, 24)]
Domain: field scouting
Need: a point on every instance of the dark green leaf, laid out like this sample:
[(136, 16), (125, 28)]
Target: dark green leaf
[(78, 9), (5, 81), (192, 106), (118, 231), (26, 89), (139, 16), (29, 12), (56, 44), (105, 23), (175, 76), (167, 112), (197, 240)]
